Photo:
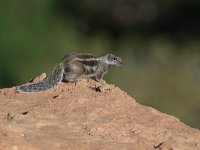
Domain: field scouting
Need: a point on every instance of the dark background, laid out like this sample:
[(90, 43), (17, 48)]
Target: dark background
[(159, 41)]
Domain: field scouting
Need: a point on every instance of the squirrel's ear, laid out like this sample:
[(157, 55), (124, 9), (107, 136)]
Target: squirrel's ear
[(72, 53), (108, 55)]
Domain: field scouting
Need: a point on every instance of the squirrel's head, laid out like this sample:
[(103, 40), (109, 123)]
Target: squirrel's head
[(112, 60)]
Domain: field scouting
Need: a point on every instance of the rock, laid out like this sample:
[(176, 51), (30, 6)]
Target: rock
[(86, 116), (39, 78)]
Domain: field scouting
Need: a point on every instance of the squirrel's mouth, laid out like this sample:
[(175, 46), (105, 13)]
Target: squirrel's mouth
[(120, 63)]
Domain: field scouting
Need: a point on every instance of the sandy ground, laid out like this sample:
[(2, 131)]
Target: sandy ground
[(84, 116)]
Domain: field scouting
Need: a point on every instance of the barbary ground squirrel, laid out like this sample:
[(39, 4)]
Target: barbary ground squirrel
[(72, 68)]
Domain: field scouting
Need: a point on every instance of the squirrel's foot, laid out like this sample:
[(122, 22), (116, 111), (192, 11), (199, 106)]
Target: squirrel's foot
[(103, 84)]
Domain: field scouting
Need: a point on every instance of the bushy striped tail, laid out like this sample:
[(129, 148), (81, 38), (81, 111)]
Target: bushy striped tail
[(50, 81)]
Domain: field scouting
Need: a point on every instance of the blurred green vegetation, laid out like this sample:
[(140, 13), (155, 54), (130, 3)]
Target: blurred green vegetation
[(159, 42)]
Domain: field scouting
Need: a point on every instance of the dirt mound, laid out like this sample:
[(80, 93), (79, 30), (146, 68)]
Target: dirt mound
[(86, 116)]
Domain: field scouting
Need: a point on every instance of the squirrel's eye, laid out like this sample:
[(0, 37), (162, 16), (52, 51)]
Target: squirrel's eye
[(114, 58)]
